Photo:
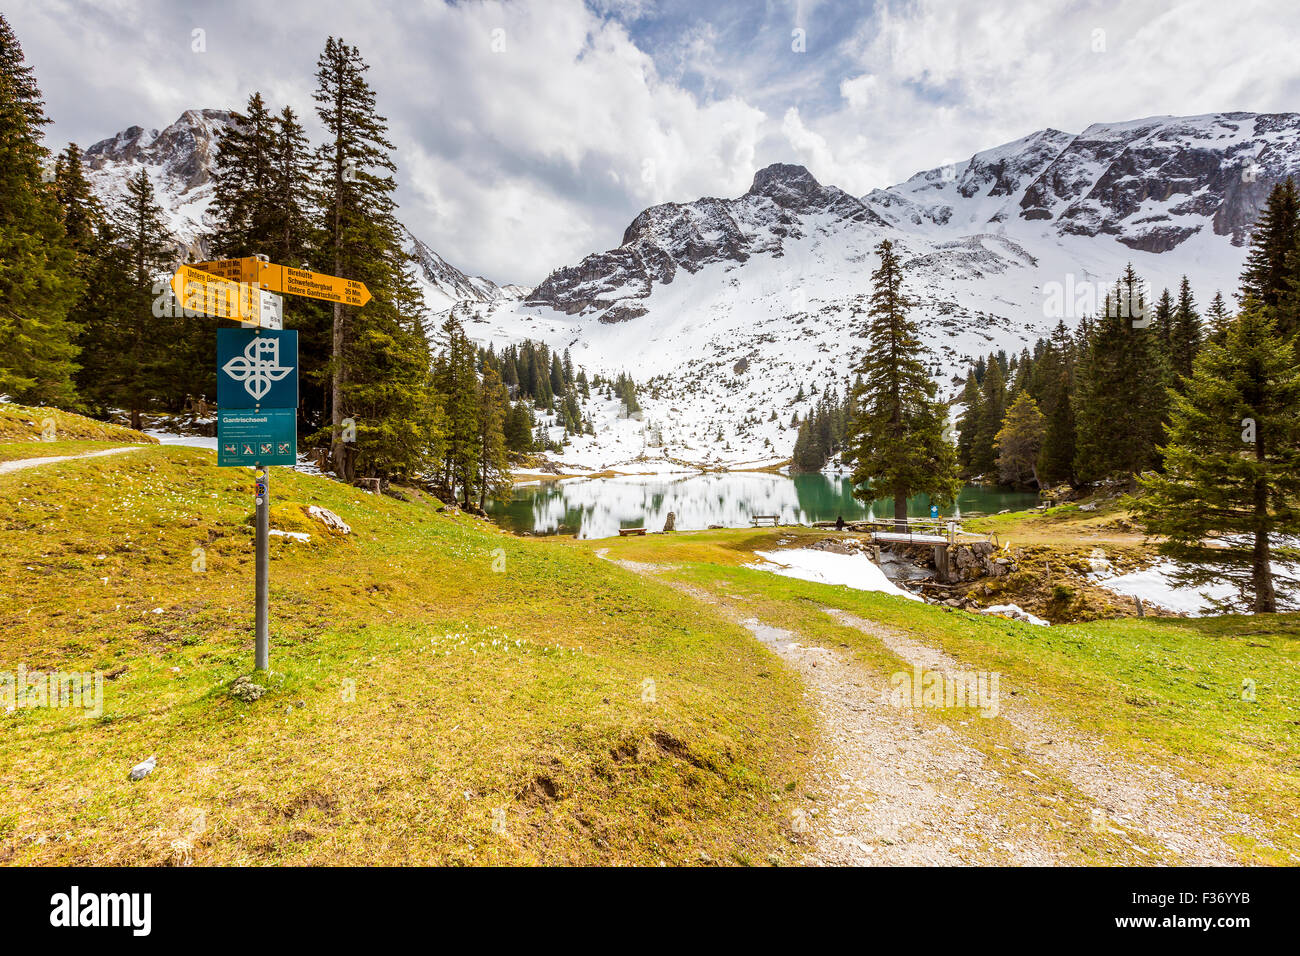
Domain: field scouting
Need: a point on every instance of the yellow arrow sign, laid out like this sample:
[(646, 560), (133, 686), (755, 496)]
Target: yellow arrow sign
[(233, 270), (314, 285), (208, 294), (289, 281)]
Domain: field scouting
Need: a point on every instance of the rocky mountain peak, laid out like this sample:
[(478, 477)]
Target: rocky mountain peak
[(183, 153), (786, 184)]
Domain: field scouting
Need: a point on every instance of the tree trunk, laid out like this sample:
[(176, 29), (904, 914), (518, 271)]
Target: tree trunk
[(338, 450), (1262, 571), (900, 509)]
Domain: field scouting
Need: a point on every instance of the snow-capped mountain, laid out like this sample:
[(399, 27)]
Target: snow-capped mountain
[(723, 310), (179, 161), (727, 308), (444, 285)]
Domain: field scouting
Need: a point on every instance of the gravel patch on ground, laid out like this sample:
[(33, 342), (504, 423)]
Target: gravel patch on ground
[(893, 786), (7, 466), (1186, 818)]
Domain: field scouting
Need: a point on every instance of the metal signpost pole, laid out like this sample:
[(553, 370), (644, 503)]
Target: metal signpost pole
[(257, 379), (263, 568)]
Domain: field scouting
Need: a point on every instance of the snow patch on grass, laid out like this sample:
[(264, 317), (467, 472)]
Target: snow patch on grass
[(825, 567)]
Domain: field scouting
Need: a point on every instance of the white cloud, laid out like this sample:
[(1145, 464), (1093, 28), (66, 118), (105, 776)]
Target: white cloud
[(516, 162)]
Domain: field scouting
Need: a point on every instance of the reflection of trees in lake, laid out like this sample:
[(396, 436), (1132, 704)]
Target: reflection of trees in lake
[(594, 508)]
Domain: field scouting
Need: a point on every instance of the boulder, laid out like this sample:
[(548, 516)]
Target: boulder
[(328, 518)]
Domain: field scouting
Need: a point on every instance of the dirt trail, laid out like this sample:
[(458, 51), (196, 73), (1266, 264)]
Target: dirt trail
[(1183, 816), (893, 791), (7, 466), (894, 786)]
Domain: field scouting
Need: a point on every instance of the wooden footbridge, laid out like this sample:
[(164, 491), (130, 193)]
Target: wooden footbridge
[(921, 531), (931, 531)]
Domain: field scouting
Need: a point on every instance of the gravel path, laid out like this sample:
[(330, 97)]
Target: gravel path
[(1186, 818), (21, 463), (891, 785), (889, 789)]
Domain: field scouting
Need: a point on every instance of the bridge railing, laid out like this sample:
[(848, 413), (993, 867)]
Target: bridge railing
[(923, 530)]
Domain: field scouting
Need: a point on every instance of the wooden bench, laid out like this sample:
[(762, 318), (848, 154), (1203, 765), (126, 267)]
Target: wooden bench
[(624, 532), (759, 519)]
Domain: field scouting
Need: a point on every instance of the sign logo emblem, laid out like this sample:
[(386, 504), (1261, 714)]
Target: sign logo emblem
[(259, 367)]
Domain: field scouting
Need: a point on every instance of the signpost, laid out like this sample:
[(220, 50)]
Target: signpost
[(211, 294), (257, 378), (251, 270), (257, 421)]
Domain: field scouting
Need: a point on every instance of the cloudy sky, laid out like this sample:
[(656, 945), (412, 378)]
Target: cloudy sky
[(529, 134)]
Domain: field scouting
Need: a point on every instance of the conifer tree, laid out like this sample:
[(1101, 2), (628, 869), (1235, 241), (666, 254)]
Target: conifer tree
[(1120, 389), (81, 211), (38, 269), (1162, 324), (1270, 264), (972, 409), (493, 460), (993, 399), (244, 194), (1219, 317), (379, 356), (290, 229), (457, 382), (1019, 441), (897, 440), (1185, 334), (518, 429), (1056, 459), (1232, 464), (133, 324)]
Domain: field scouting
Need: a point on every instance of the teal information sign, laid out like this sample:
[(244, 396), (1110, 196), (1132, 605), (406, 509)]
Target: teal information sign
[(257, 368), (268, 436)]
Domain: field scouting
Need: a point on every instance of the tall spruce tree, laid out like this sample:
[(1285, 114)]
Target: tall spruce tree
[(494, 480), (262, 194), (1185, 334), (1232, 480), (1271, 263), (81, 211), (968, 422), (39, 281), (1120, 389), (457, 382), (897, 440), (244, 194), (1056, 457), (141, 368), (379, 356), (1019, 441), (993, 403), (1219, 317)]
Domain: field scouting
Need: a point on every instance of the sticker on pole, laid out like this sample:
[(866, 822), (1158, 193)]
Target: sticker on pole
[(257, 368), (267, 436)]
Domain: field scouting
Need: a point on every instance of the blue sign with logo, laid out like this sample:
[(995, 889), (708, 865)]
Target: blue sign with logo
[(934, 511), (264, 436), (257, 368)]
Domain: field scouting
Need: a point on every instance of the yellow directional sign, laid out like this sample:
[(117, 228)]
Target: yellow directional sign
[(314, 285), (209, 294), (233, 270), (289, 281)]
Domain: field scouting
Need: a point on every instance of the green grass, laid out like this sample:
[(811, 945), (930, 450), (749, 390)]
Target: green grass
[(1162, 690), (422, 706), (22, 423)]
